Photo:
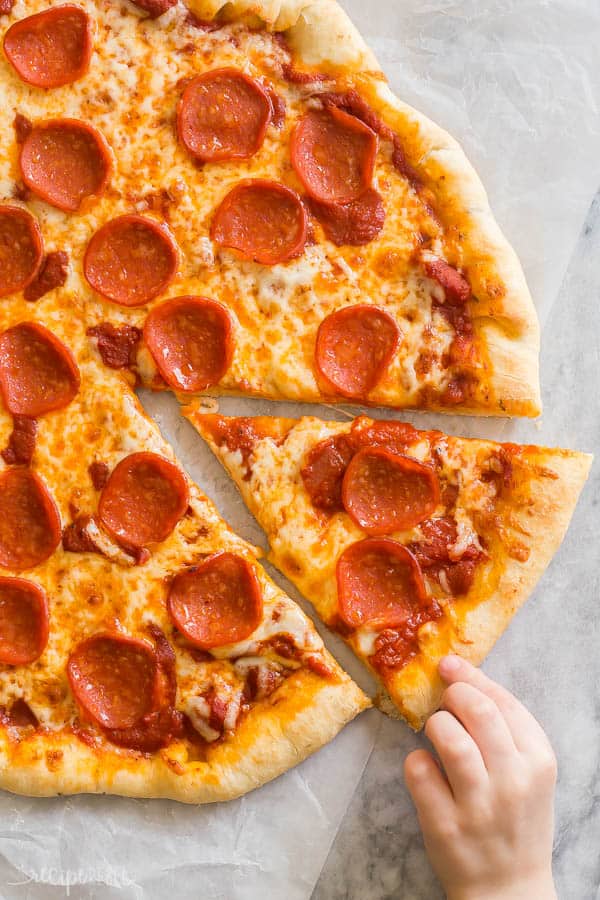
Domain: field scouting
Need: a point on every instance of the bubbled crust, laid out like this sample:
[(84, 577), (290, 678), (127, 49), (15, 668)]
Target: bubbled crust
[(270, 740), (505, 319), (553, 495)]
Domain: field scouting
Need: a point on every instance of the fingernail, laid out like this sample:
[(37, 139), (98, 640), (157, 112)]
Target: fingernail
[(449, 665)]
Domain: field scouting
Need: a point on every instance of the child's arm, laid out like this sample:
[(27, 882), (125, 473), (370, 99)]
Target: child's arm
[(488, 821)]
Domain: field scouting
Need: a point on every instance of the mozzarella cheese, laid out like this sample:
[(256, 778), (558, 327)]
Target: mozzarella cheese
[(130, 94)]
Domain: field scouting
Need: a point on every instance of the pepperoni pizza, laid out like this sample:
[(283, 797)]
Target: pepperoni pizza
[(410, 544), (240, 205), (143, 650)]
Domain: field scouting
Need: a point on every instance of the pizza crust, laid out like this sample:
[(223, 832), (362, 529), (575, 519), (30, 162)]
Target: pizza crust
[(307, 713), (553, 501), (504, 314)]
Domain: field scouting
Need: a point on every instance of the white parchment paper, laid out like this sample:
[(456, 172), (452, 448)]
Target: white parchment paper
[(517, 82)]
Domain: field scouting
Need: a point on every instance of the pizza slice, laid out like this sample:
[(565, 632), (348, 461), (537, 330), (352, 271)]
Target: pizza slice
[(410, 544), (143, 649), (246, 208)]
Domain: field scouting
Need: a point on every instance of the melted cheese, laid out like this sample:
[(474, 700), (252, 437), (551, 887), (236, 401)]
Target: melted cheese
[(90, 592), (130, 94)]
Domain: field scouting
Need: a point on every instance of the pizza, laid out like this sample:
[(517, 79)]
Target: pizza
[(239, 205), (143, 649), (226, 198), (410, 544)]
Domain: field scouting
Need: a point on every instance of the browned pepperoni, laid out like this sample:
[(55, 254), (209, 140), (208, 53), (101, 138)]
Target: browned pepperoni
[(21, 249), (22, 126), (223, 114), (379, 584), (117, 344), (218, 602), (191, 342), (52, 274), (130, 260), (99, 473), (354, 224), (323, 471), (51, 48), (37, 372), (113, 678), (154, 8), (354, 347), (143, 500), (433, 554), (23, 621), (384, 492), (456, 286), (333, 154), (63, 161), (21, 443), (6, 6), (19, 714), (263, 220), (76, 537), (29, 524)]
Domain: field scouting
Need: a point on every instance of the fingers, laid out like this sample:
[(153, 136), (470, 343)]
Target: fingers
[(427, 786), (459, 754), (526, 732), (483, 720)]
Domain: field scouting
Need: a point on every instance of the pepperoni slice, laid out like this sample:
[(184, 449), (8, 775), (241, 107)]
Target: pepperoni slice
[(333, 154), (324, 469), (23, 621), (191, 342), (130, 260), (63, 161), (354, 347), (51, 48), (154, 8), (354, 224), (379, 584), (384, 492), (29, 523), (456, 286), (218, 602), (37, 372), (143, 500), (113, 678), (223, 114), (21, 249), (263, 220)]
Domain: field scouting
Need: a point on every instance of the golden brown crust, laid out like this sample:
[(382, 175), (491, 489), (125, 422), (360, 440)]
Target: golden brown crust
[(546, 520), (534, 515), (308, 713), (505, 319)]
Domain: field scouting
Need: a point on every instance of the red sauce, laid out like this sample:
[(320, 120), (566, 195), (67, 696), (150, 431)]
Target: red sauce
[(433, 556), (19, 715), (394, 648), (21, 443)]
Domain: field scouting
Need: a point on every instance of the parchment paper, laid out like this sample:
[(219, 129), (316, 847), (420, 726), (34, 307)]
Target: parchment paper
[(512, 81)]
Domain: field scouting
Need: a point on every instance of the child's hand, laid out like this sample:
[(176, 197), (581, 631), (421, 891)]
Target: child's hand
[(488, 823)]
